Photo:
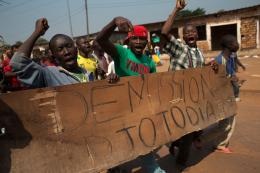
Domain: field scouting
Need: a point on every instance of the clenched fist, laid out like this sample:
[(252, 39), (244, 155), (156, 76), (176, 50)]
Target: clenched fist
[(41, 26), (180, 4), (123, 24)]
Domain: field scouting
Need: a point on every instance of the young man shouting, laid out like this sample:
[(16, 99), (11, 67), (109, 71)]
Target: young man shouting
[(130, 62), (65, 54), (183, 56)]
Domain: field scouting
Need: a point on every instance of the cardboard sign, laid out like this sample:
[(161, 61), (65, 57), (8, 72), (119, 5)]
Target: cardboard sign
[(95, 126)]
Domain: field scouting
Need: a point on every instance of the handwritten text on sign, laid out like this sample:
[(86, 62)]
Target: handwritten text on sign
[(95, 126)]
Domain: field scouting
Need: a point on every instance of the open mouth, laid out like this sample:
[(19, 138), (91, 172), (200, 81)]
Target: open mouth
[(191, 40), (139, 48)]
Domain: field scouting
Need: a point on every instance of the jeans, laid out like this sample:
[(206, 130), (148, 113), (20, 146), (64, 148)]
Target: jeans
[(235, 88), (150, 164)]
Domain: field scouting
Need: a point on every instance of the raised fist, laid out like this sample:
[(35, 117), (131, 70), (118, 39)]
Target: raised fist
[(41, 26), (180, 4), (123, 24)]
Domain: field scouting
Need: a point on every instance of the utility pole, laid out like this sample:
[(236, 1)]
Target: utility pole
[(2, 41), (69, 15), (87, 23)]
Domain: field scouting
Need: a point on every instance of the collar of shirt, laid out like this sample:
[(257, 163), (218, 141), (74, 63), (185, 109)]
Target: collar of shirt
[(63, 70)]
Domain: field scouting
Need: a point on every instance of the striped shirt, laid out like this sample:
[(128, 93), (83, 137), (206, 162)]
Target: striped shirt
[(183, 56)]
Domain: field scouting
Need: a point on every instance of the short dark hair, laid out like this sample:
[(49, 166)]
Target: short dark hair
[(78, 39), (85, 38), (16, 45), (54, 38), (187, 25), (228, 40), (45, 53)]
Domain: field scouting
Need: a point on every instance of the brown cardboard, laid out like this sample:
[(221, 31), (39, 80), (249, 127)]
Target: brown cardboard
[(95, 126)]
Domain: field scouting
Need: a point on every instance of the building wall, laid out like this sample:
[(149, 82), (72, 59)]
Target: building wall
[(258, 32), (247, 30), (249, 33), (220, 33), (203, 45)]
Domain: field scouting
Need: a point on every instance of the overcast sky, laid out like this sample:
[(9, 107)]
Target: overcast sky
[(17, 17)]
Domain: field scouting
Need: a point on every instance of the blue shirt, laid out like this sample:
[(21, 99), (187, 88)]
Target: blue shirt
[(229, 63), (35, 76)]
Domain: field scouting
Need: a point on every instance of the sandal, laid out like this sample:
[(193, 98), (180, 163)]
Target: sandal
[(225, 150)]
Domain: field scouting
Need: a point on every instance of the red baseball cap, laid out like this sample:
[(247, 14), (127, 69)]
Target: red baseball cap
[(139, 31)]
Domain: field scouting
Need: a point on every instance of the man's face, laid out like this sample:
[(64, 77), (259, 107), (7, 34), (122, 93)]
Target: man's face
[(84, 45), (9, 53), (190, 35), (137, 44), (15, 49), (65, 52)]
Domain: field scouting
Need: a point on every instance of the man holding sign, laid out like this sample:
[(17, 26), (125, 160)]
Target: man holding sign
[(183, 56), (130, 62), (65, 54)]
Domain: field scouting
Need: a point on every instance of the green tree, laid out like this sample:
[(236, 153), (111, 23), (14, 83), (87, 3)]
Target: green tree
[(199, 12), (190, 13), (221, 11), (41, 41)]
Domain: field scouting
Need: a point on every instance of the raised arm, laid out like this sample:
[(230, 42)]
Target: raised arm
[(29, 72), (123, 24), (180, 4), (40, 28)]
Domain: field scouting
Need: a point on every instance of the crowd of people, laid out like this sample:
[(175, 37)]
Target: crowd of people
[(66, 61)]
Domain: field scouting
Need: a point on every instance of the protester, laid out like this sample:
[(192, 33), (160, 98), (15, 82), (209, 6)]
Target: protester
[(85, 58), (65, 54), (36, 55), (46, 58), (2, 76), (182, 56), (130, 62), (10, 82), (156, 52), (225, 128), (16, 46), (227, 57), (103, 60)]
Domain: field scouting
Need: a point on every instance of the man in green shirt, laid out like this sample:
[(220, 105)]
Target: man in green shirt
[(127, 63), (130, 62)]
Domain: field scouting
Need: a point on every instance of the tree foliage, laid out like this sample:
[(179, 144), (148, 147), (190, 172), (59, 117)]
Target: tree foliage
[(190, 13), (18, 43), (41, 41), (221, 11)]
